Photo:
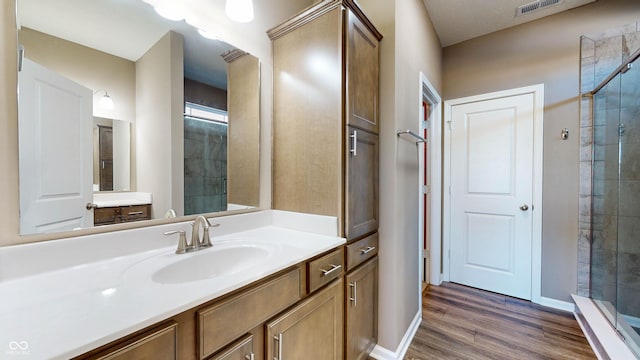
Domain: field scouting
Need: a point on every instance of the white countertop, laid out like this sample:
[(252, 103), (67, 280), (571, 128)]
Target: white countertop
[(67, 308), (122, 198)]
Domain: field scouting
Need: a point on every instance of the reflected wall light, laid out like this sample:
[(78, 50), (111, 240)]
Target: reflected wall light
[(105, 101), (239, 10)]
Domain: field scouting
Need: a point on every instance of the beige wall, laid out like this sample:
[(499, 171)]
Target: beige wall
[(409, 46), (159, 134), (88, 67), (543, 51), (9, 221)]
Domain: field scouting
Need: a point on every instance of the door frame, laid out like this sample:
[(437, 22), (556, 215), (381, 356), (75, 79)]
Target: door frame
[(427, 91), (536, 246)]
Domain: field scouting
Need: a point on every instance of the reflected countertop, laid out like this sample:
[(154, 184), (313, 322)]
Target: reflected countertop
[(123, 198)]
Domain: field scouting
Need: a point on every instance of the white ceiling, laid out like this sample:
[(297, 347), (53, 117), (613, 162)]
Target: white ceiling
[(127, 29), (459, 20)]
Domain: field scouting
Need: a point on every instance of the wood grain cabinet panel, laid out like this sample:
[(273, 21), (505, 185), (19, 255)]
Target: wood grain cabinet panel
[(156, 345), (361, 250), (240, 350), (326, 65), (361, 289), (362, 184), (223, 322), (121, 214), (312, 330), (363, 71), (322, 270)]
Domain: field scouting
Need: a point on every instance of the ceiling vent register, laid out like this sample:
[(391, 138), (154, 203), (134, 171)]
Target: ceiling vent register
[(535, 6)]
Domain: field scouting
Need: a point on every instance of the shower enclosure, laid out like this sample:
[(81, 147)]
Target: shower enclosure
[(614, 226)]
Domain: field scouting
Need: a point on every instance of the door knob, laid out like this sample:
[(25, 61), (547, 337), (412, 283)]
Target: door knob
[(91, 206), (524, 207)]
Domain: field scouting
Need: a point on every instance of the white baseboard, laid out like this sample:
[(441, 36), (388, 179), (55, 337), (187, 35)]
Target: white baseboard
[(557, 304), (381, 353)]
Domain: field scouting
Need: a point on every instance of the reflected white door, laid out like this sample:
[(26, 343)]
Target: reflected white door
[(491, 194), (55, 147)]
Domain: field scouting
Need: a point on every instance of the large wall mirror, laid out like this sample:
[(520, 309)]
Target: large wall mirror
[(126, 114)]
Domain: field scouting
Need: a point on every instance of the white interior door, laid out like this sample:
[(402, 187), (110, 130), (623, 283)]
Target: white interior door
[(491, 194), (55, 149)]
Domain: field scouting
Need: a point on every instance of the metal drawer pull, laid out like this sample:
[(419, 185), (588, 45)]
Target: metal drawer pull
[(354, 292), (136, 213), (367, 250), (279, 340), (332, 269)]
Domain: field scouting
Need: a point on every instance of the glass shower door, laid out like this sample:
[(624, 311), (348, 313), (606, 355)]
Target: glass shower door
[(628, 244), (605, 191), (615, 249)]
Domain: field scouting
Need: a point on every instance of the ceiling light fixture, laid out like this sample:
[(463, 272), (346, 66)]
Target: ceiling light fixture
[(239, 10), (105, 101)]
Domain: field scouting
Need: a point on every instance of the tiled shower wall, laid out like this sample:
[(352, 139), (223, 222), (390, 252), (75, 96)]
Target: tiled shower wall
[(609, 253), (205, 166)]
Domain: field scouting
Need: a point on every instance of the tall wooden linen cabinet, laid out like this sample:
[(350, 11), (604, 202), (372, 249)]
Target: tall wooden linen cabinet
[(325, 143)]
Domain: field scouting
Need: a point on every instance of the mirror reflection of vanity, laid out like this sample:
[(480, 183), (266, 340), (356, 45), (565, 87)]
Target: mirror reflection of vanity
[(202, 162)]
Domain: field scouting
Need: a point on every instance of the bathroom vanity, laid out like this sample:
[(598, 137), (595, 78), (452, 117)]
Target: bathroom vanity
[(272, 283)]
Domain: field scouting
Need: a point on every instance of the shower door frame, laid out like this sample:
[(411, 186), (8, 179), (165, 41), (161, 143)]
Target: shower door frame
[(624, 330)]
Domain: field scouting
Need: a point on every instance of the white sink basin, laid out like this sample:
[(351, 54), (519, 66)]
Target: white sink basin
[(211, 263)]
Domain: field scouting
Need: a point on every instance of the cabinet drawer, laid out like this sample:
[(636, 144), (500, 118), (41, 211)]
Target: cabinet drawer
[(136, 212), (220, 323), (322, 270), (159, 344), (361, 250), (240, 350)]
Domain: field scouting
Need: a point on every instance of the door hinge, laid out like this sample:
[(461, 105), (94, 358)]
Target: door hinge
[(426, 254), (426, 189), (425, 124)]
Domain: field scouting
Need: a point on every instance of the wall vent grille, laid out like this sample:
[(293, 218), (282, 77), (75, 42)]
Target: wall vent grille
[(535, 6)]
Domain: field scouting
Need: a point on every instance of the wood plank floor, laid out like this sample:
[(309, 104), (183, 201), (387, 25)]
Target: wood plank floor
[(459, 322)]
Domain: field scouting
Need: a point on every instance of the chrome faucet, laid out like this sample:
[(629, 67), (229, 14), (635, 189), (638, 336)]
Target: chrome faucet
[(197, 242)]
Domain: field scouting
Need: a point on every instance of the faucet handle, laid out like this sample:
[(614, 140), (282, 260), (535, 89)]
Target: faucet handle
[(206, 240), (182, 241)]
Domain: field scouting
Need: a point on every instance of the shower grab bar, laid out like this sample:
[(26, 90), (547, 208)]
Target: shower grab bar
[(419, 138), (619, 69)]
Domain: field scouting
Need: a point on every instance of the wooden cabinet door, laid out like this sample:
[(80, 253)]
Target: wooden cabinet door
[(361, 197), (241, 350), (156, 345), (312, 330), (361, 293), (362, 73)]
